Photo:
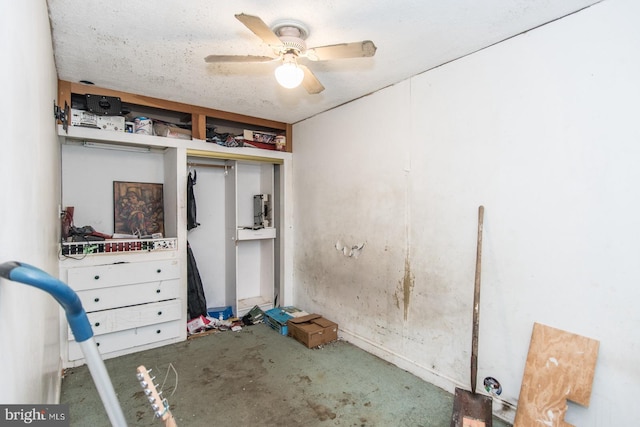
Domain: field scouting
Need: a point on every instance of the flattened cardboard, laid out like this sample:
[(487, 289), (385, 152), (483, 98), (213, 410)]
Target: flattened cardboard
[(325, 323), (305, 319)]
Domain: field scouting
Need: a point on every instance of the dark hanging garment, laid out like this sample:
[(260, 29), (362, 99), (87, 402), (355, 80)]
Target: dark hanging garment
[(191, 202), (196, 302)]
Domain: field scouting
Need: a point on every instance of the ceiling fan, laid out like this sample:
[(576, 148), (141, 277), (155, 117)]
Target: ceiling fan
[(287, 39)]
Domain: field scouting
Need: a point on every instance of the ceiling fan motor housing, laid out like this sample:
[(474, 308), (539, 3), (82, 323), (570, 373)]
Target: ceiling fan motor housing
[(293, 43), (292, 35)]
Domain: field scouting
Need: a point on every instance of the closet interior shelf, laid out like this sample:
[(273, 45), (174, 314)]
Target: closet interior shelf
[(205, 165)]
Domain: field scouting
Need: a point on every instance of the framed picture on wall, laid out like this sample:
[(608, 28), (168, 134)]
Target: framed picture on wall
[(138, 208)]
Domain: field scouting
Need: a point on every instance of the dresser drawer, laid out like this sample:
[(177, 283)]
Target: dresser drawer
[(119, 319), (130, 338), (120, 296), (100, 276)]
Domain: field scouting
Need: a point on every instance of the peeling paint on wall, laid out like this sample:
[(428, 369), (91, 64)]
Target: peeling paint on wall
[(353, 251)]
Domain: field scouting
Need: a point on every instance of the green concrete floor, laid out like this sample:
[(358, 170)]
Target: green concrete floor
[(257, 377)]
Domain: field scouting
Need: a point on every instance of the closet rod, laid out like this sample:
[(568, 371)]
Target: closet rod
[(206, 165)]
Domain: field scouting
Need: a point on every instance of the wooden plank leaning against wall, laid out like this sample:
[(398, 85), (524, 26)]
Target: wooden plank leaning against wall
[(198, 114)]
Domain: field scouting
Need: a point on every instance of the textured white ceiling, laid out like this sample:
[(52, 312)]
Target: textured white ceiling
[(157, 48)]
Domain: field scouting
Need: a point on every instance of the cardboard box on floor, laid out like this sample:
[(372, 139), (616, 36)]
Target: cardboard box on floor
[(312, 330)]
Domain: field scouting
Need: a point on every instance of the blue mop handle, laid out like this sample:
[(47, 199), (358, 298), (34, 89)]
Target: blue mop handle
[(80, 326), (66, 297)]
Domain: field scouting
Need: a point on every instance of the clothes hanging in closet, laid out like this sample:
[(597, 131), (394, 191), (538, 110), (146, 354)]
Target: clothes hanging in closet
[(191, 202), (196, 301)]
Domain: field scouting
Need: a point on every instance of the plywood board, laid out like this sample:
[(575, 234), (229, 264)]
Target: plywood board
[(560, 366)]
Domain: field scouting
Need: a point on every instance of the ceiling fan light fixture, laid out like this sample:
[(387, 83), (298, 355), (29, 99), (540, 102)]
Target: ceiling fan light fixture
[(288, 74), (287, 40)]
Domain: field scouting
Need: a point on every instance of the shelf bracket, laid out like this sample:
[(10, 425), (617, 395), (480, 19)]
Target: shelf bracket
[(62, 114)]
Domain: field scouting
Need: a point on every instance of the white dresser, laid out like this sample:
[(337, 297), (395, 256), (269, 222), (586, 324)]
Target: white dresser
[(132, 305)]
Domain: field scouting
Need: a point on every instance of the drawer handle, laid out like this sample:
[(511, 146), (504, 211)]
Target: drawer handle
[(97, 344), (96, 300), (159, 313), (158, 331), (157, 291), (159, 270), (96, 277), (97, 324)]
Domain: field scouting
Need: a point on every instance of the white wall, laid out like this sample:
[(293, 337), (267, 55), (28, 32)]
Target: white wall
[(87, 181), (541, 130), (29, 190)]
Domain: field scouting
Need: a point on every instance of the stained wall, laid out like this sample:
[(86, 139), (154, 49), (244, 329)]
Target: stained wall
[(540, 129)]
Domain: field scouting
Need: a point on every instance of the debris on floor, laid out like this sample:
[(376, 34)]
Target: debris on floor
[(197, 324), (312, 330), (220, 313), (222, 319), (255, 315)]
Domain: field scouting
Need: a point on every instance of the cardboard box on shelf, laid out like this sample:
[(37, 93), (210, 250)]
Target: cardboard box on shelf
[(264, 137), (170, 131), (312, 330), (262, 145)]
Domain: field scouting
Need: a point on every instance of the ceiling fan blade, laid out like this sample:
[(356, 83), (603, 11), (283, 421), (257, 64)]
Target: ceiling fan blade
[(361, 49), (310, 81), (259, 28), (237, 58)]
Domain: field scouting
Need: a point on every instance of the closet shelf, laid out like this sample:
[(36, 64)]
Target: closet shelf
[(79, 135), (260, 233), (83, 134)]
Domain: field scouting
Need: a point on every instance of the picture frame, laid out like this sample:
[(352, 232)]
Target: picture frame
[(138, 208)]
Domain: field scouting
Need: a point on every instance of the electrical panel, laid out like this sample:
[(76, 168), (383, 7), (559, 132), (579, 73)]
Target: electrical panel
[(262, 211)]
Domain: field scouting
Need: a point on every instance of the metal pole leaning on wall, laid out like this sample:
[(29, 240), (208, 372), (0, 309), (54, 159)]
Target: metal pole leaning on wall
[(80, 326)]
